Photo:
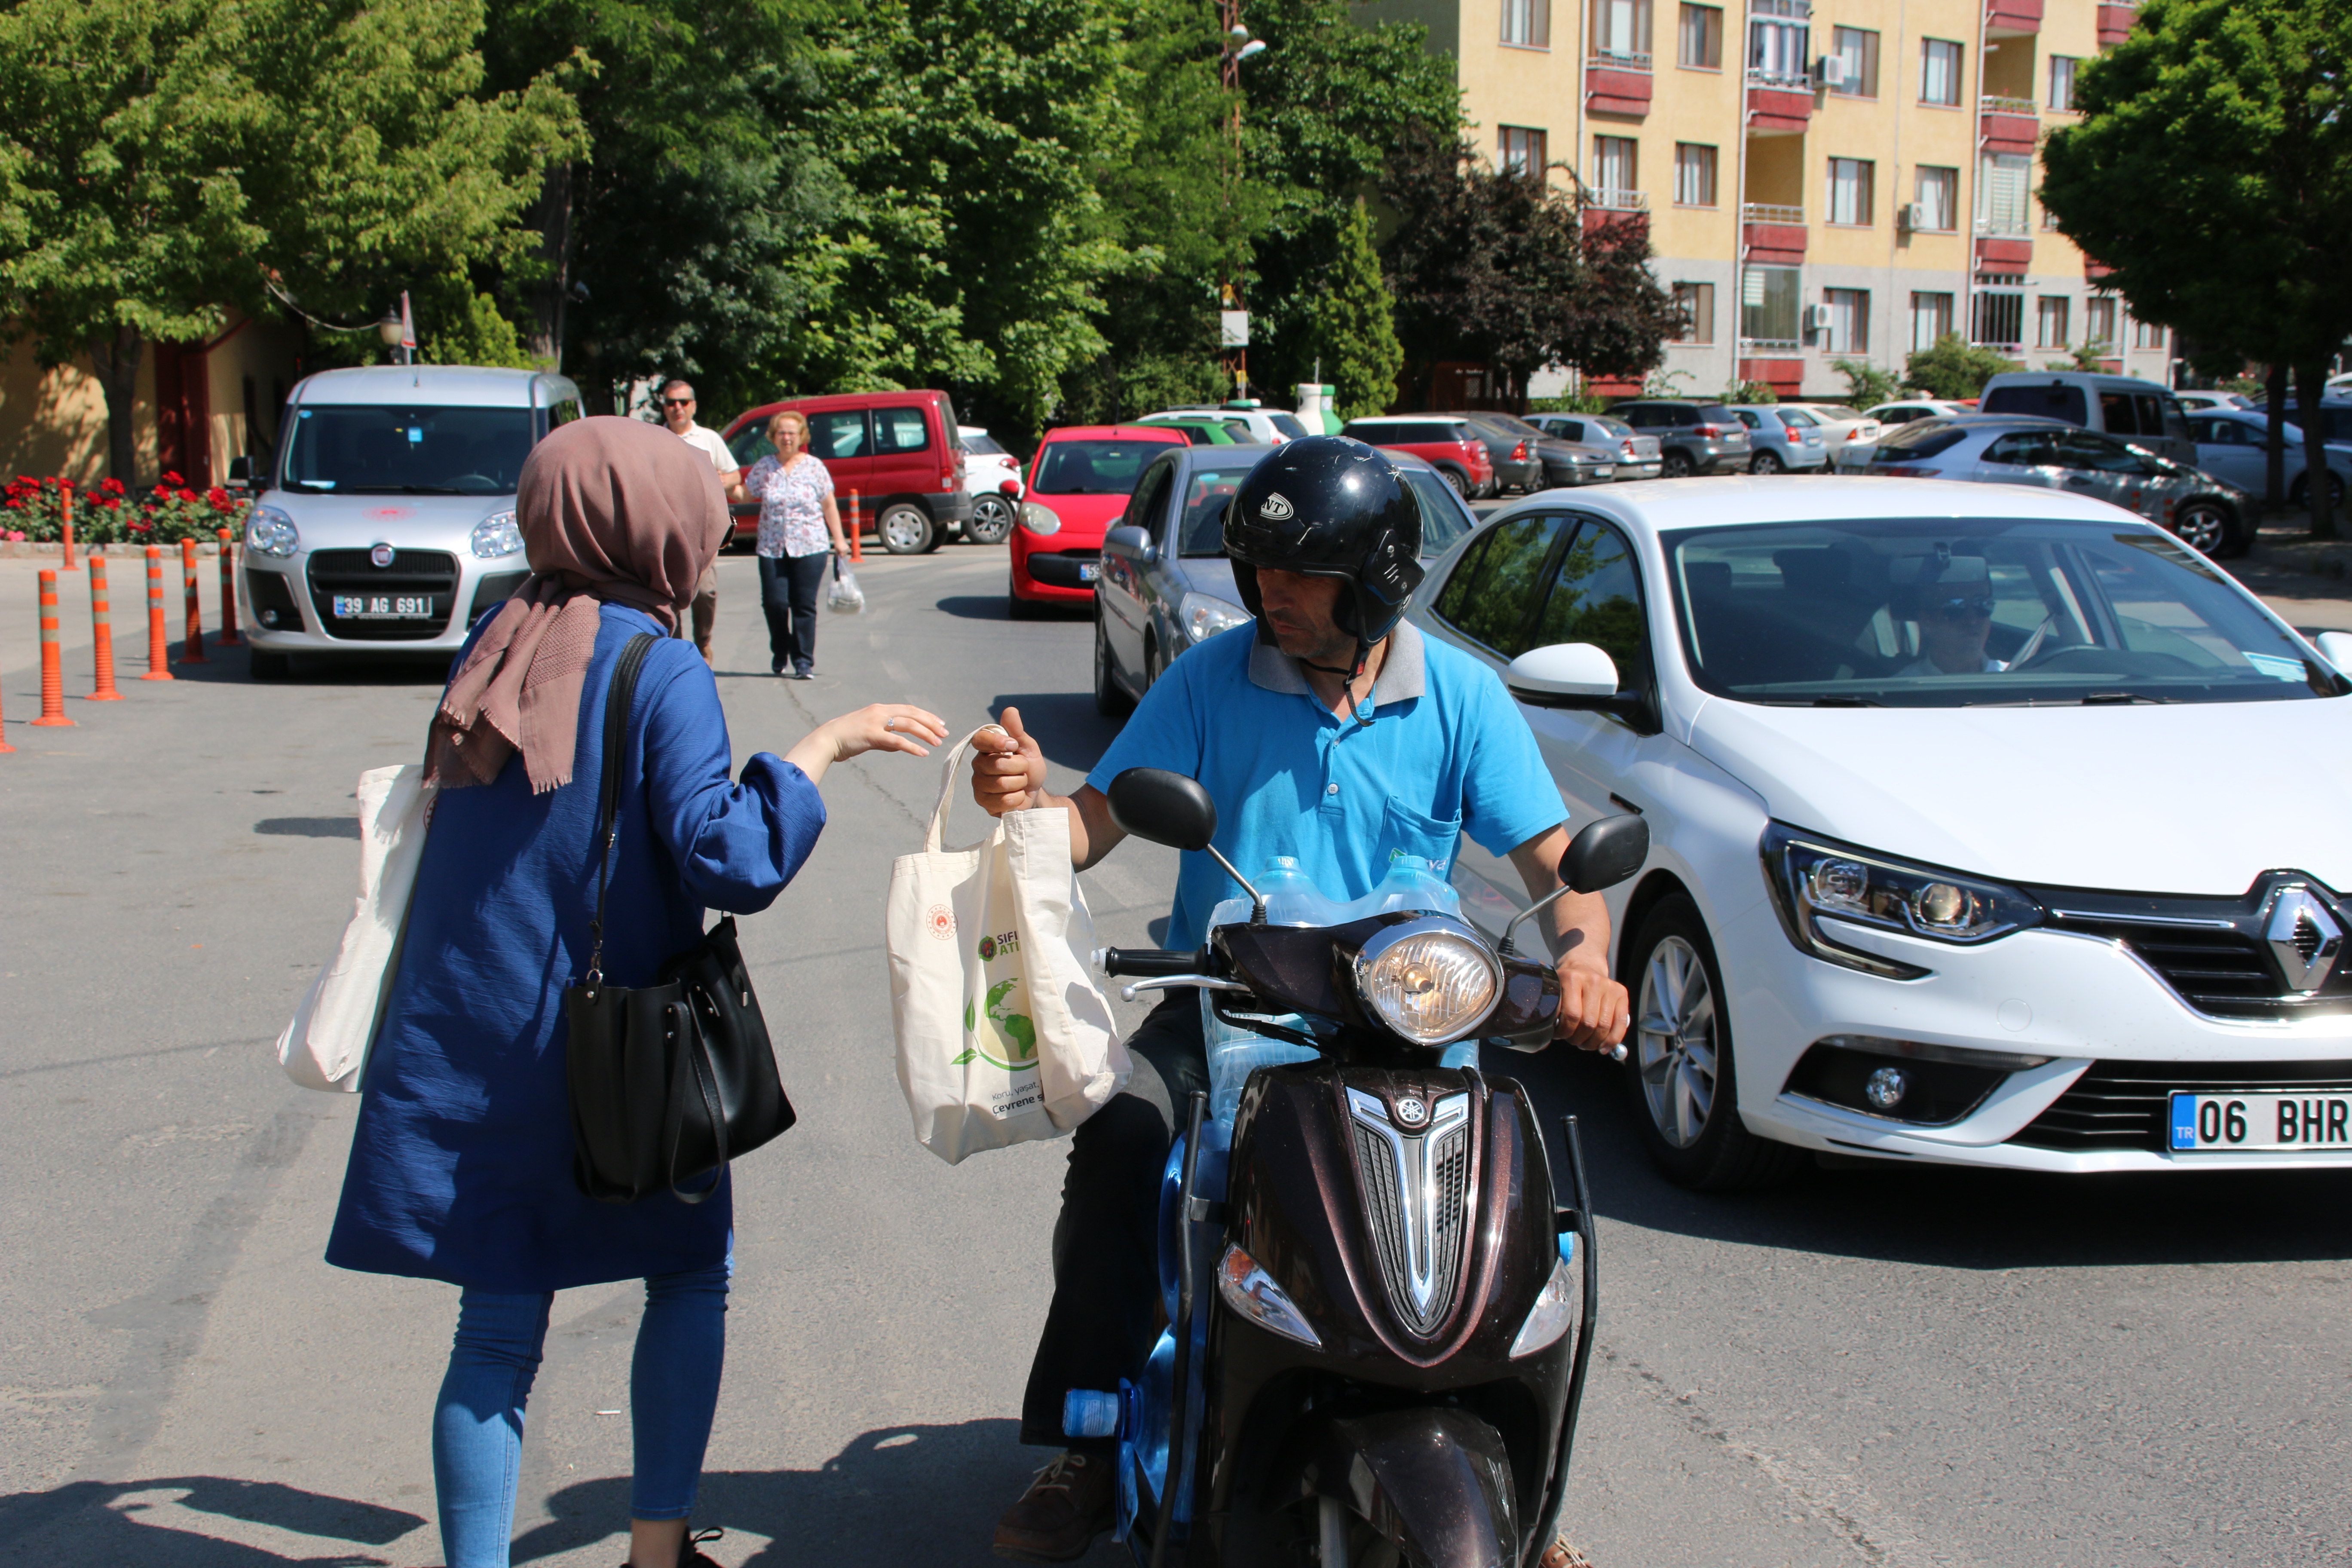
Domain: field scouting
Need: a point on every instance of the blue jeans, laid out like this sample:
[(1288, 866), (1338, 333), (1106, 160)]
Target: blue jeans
[(788, 591), (478, 1426)]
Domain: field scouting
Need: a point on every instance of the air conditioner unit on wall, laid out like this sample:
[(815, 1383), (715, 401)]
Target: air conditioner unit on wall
[(1817, 318), (1913, 215), (1832, 70)]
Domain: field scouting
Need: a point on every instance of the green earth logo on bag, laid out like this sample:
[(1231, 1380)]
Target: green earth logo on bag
[(1012, 1035)]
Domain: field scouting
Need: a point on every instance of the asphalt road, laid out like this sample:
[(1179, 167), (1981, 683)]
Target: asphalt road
[(1885, 1367)]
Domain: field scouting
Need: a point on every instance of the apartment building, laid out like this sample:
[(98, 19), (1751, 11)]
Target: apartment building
[(1824, 179)]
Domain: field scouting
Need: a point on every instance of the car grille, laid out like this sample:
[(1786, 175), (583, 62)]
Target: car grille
[(1448, 1178), (2124, 1105), (2214, 953), (412, 573)]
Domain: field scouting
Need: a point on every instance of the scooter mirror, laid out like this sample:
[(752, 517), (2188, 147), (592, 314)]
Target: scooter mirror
[(1164, 807), (1606, 853)]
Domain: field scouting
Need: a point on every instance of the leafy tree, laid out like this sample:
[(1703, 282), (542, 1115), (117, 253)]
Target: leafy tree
[(1352, 322), (1757, 392), (1866, 385), (1954, 370), (2236, 111)]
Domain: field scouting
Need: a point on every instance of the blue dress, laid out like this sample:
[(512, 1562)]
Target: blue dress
[(461, 1164)]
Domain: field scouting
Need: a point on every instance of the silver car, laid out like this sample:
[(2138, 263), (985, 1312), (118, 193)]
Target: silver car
[(1165, 583), (1634, 456), (1787, 440), (385, 525)]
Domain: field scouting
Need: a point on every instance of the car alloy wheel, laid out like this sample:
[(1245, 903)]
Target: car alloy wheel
[(1674, 1041), (2202, 526), (1111, 700), (906, 529), (1459, 482), (1675, 466), (1765, 463), (2299, 496), (991, 519)]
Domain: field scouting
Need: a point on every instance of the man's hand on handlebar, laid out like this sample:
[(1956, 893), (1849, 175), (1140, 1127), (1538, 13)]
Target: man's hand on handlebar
[(1595, 1010)]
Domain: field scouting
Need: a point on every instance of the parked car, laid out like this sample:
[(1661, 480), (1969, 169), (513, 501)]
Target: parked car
[(1452, 446), (899, 451), (1841, 426), (385, 522), (2336, 412), (1784, 437), (1166, 584), (2217, 401), (1079, 480), (1207, 432), (1903, 413), (1635, 456), (1559, 464), (1897, 913), (2236, 447), (1693, 437), (2048, 454), (2140, 412), (991, 477), (1271, 426)]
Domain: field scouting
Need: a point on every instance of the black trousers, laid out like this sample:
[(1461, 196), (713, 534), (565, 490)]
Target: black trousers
[(788, 589), (1107, 1245)]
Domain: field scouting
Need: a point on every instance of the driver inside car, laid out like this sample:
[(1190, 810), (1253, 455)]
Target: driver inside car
[(1951, 599)]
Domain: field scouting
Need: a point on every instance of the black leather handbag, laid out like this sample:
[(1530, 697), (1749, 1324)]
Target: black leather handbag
[(669, 1082)]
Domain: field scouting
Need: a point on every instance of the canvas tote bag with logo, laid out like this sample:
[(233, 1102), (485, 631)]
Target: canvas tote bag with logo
[(1003, 1037)]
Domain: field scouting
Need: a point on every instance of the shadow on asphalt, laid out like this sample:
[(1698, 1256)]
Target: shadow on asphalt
[(1943, 1216), (1063, 725), (93, 1528), (230, 664), (996, 608), (308, 826)]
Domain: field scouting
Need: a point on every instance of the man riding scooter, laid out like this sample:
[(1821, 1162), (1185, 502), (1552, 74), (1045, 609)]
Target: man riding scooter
[(1332, 733)]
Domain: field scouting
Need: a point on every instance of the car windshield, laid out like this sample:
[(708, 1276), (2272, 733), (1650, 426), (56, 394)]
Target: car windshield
[(352, 448), (1516, 426), (1906, 612), (1289, 424), (1207, 490), (1094, 468), (1835, 411)]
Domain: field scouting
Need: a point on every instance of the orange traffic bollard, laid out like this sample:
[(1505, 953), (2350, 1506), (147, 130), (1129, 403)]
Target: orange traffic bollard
[(53, 674), (101, 628), (191, 651), (857, 534), (229, 638), (156, 651), (65, 514)]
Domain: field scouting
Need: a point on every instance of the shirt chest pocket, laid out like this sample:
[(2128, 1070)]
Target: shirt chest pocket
[(1406, 831)]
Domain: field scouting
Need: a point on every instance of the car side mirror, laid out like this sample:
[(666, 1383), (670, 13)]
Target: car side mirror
[(1164, 807), (2336, 648), (1606, 853), (1562, 675), (240, 474), (1130, 539)]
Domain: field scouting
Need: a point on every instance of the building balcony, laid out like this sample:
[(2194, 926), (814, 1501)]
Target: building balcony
[(1617, 85), (2116, 19), (1772, 235), (1610, 199), (2012, 18), (1778, 103), (2011, 125)]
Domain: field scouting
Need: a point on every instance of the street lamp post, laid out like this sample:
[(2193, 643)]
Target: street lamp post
[(1233, 317), (398, 330)]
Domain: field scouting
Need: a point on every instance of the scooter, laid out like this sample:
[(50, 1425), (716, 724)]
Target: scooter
[(1369, 1360)]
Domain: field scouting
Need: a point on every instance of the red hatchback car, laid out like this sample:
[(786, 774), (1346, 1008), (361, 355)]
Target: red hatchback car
[(1449, 445), (1079, 485)]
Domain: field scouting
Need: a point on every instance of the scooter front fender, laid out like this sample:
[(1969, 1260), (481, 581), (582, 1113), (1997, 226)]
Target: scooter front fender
[(1435, 1481)]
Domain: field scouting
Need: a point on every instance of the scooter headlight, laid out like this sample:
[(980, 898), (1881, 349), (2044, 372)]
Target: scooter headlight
[(1430, 981), (1251, 1293), (1550, 1316)]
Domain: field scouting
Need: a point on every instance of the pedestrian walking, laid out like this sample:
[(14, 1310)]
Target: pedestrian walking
[(677, 405), (461, 1164), (796, 513)]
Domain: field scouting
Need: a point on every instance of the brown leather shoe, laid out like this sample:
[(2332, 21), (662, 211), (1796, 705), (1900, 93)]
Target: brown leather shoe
[(1068, 1503)]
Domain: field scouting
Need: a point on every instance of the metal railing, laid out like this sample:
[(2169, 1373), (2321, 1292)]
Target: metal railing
[(1609, 60), (1764, 212), (1787, 82), (1997, 227), (2021, 106), (1752, 346), (1610, 199)]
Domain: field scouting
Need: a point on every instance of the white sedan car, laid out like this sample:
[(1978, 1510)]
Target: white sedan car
[(1930, 879)]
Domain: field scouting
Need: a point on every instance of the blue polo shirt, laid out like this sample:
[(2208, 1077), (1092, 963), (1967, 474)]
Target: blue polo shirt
[(1439, 751)]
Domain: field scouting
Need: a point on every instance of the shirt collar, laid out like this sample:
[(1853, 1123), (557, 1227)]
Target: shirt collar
[(1404, 671)]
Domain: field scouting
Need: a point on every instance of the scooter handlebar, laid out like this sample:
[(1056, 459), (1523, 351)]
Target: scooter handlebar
[(1151, 962)]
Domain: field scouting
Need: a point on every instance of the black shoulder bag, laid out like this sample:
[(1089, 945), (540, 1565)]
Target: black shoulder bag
[(671, 1081)]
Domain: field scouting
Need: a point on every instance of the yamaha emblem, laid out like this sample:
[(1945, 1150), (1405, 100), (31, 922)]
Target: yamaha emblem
[(1275, 507), (380, 555), (1412, 1112)]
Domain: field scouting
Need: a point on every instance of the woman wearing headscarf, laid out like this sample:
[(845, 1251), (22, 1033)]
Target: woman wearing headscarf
[(461, 1162)]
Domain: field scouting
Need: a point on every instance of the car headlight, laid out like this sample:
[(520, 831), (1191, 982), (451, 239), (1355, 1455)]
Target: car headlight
[(1431, 981), (1250, 1292), (1812, 877), (1549, 1319), (496, 534), (1203, 615), (272, 532), (1040, 520)]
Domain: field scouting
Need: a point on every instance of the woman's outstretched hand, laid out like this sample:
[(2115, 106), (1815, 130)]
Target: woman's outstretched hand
[(883, 727)]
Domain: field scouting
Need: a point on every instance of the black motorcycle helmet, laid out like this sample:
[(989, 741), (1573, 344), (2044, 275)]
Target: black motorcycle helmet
[(1324, 505)]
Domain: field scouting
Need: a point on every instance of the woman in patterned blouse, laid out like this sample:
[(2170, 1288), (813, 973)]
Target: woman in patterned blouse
[(796, 513)]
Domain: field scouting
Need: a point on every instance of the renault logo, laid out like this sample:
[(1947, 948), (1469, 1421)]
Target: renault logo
[(380, 555), (2305, 938)]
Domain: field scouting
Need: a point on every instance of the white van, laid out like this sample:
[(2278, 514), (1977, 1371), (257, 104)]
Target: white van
[(2140, 412), (385, 523)]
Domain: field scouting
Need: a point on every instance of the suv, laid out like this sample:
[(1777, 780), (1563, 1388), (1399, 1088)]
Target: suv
[(2139, 412), (1693, 437), (386, 523), (1450, 445), (897, 451)]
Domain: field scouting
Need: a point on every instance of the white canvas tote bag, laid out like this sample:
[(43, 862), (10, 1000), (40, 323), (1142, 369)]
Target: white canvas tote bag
[(326, 1046), (1003, 1036)]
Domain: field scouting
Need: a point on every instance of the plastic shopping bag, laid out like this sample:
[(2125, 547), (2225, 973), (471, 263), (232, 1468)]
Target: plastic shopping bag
[(846, 597), (1003, 1037)]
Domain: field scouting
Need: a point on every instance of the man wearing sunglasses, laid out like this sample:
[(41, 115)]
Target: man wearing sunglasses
[(677, 413), (1953, 603)]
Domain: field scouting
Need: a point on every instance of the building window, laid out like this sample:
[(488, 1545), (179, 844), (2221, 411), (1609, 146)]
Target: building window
[(2062, 83), (1528, 23), (1777, 31), (1702, 38), (1848, 328), (1854, 62), (1696, 303), (2099, 322), (1939, 72), (1523, 151), (1621, 31), (1940, 200), (2051, 315), (2000, 318), (2004, 180), (1769, 307), (1614, 168), (2147, 334), (1850, 180), (1693, 175), (1931, 317)]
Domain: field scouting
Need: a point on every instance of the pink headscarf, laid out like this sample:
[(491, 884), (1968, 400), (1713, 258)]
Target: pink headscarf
[(610, 509)]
